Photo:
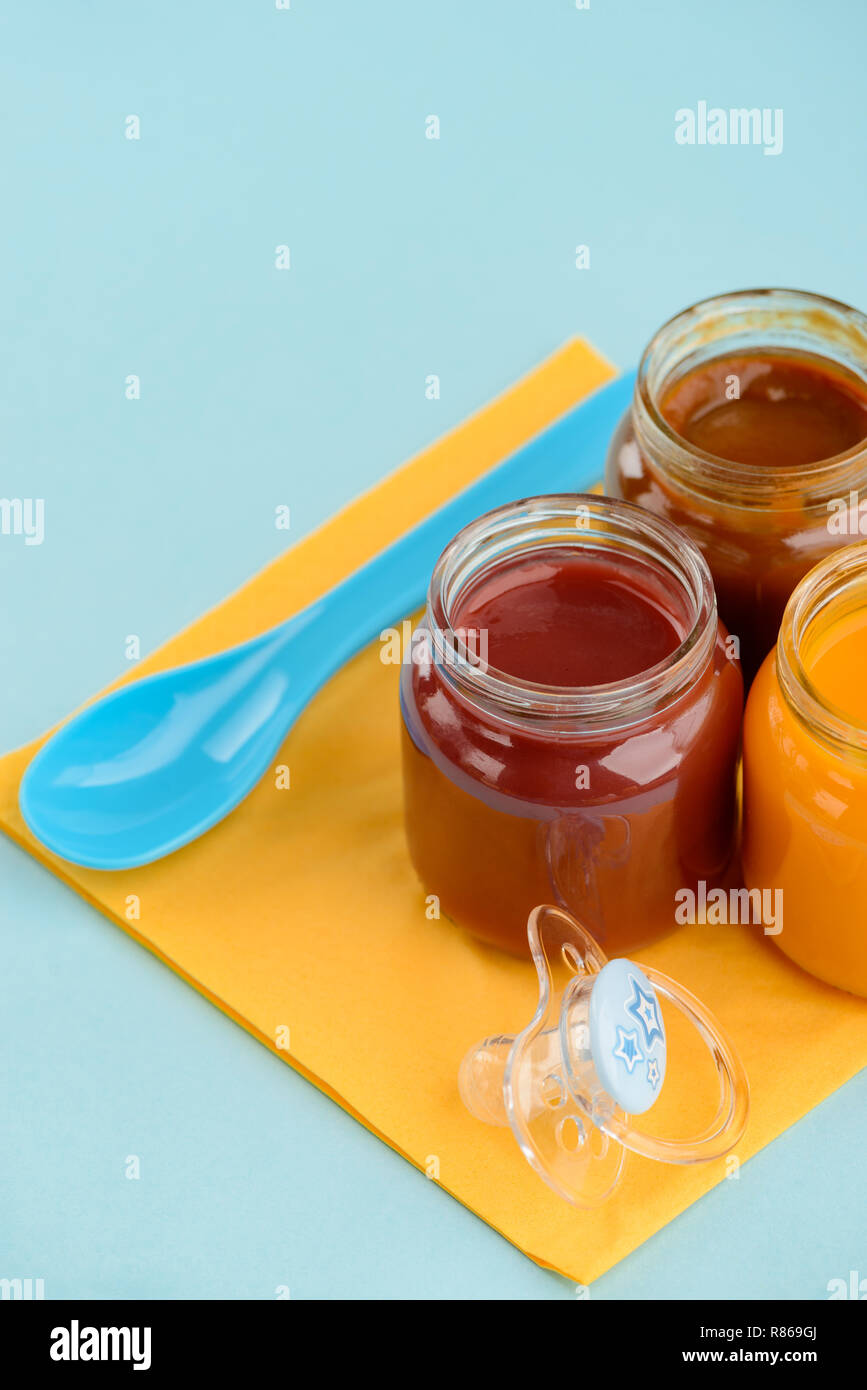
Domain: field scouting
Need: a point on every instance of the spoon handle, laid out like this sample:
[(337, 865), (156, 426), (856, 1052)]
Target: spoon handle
[(566, 457)]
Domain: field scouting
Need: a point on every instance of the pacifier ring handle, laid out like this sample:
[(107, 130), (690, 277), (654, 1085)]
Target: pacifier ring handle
[(729, 1122)]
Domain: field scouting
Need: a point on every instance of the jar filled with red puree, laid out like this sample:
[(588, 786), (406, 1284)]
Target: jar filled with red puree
[(748, 429), (571, 723)]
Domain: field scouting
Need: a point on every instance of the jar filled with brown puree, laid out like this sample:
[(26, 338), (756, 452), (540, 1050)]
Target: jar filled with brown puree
[(748, 429)]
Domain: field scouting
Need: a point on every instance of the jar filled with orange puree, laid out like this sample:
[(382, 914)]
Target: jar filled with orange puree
[(748, 429), (805, 773)]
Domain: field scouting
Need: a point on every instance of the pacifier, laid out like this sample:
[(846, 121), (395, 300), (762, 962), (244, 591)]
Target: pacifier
[(594, 1055)]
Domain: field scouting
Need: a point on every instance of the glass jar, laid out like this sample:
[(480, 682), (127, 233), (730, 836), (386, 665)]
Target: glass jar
[(605, 799), (805, 781), (761, 526)]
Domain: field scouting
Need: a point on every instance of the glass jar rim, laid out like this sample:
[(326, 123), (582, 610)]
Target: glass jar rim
[(756, 482), (586, 520), (825, 583)]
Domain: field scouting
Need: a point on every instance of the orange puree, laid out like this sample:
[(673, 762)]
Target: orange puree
[(836, 662), (805, 792)]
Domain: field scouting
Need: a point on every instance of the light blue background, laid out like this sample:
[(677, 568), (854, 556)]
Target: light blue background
[(259, 387)]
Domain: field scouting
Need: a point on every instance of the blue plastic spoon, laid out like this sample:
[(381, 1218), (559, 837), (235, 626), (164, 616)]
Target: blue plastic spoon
[(161, 760)]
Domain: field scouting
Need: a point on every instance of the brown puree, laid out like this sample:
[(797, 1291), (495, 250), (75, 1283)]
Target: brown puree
[(768, 409), (760, 455)]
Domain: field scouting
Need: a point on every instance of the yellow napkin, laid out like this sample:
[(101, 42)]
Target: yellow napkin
[(301, 918)]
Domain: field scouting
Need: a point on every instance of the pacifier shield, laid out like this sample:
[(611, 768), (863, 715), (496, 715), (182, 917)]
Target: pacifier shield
[(627, 1036)]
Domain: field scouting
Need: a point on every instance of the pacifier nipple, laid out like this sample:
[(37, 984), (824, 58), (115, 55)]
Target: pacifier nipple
[(480, 1080), (593, 1055)]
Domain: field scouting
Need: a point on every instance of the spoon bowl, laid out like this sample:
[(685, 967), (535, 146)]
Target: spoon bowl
[(161, 760)]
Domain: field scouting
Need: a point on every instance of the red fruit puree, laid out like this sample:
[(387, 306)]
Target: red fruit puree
[(567, 618)]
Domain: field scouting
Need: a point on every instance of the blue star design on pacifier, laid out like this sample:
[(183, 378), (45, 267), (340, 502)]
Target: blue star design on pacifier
[(627, 1036), (644, 1008), (627, 1048)]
